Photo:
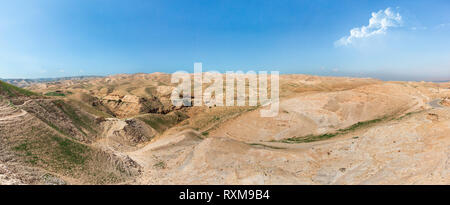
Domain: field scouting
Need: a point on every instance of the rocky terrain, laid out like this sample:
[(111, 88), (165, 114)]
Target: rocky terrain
[(123, 129)]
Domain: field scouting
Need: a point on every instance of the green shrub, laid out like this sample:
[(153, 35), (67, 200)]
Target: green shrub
[(55, 94)]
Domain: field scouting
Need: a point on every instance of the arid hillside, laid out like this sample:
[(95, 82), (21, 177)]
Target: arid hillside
[(123, 129)]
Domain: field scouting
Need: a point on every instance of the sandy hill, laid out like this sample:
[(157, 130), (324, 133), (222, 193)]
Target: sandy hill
[(48, 141), (124, 129)]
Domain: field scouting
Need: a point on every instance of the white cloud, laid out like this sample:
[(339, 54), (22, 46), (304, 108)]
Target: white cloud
[(378, 24)]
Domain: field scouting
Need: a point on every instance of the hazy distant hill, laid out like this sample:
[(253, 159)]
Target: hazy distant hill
[(28, 82)]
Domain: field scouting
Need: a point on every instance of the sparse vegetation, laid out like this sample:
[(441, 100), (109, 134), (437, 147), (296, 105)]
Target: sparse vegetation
[(68, 150), (59, 94), (14, 91), (80, 121), (53, 151), (160, 165), (407, 115), (265, 146), (89, 109), (52, 125), (46, 149), (207, 121), (161, 122), (313, 138), (308, 138), (26, 149), (361, 124)]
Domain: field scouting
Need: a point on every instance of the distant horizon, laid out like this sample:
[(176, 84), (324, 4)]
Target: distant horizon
[(103, 76)]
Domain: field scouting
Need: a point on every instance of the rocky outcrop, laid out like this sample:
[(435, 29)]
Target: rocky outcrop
[(130, 105), (123, 134), (446, 102)]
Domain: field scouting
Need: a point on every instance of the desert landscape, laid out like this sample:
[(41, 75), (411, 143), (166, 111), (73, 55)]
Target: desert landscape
[(123, 129)]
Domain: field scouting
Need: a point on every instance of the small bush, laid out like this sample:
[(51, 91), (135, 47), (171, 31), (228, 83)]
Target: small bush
[(160, 165)]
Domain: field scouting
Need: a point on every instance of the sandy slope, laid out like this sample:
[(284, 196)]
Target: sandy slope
[(410, 147), (413, 150), (408, 143), (324, 112)]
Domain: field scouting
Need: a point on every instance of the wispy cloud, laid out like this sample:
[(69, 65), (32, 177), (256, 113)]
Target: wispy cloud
[(378, 24), (415, 28), (443, 25)]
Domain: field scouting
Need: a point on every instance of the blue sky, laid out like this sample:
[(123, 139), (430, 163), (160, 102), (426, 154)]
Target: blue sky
[(44, 38)]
